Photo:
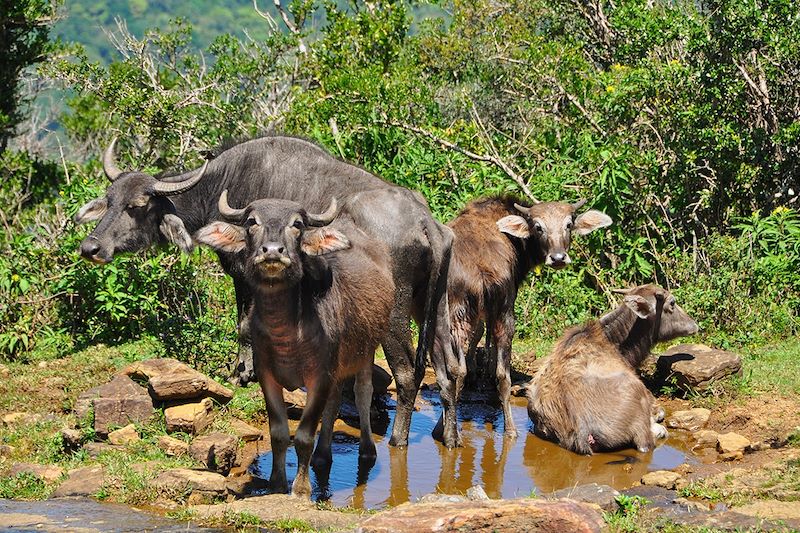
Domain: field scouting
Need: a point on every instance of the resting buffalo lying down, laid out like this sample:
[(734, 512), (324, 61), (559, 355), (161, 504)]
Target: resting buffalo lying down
[(587, 396), (322, 294)]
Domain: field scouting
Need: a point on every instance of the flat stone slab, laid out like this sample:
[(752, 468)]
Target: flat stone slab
[(245, 431), (601, 495), (521, 514), (47, 473), (696, 366), (180, 479), (169, 379), (81, 482), (116, 403)]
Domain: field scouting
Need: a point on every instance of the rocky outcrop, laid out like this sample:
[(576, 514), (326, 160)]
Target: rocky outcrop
[(116, 403), (493, 515), (696, 366), (169, 380)]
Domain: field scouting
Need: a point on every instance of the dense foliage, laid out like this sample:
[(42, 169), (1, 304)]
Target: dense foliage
[(679, 119)]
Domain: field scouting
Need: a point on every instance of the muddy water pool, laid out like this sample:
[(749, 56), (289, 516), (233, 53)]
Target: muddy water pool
[(504, 467)]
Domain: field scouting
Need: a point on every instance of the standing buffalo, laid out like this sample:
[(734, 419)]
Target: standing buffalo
[(138, 211), (587, 396), (497, 243), (322, 296)]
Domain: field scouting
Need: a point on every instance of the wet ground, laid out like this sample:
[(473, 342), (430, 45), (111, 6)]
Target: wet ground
[(504, 467)]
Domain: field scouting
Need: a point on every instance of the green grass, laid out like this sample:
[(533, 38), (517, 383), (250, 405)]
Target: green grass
[(24, 486), (773, 368)]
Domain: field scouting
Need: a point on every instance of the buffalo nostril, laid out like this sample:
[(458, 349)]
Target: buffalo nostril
[(89, 249), (281, 250), (558, 257), (263, 249)]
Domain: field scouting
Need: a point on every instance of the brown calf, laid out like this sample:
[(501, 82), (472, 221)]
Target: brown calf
[(497, 242), (587, 396)]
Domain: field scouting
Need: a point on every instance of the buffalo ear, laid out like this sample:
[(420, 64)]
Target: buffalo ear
[(222, 237), (319, 241), (173, 229), (590, 221), (639, 305), (514, 225), (93, 210)]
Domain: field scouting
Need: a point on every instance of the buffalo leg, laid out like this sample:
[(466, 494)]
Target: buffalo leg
[(450, 371), (323, 457), (304, 436), (503, 333), (278, 431), (400, 355), (363, 390), (244, 369)]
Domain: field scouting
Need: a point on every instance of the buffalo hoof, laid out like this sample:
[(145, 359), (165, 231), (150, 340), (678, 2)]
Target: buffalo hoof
[(367, 452), (301, 489)]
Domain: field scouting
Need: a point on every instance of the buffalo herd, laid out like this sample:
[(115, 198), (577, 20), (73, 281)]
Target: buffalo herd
[(329, 261)]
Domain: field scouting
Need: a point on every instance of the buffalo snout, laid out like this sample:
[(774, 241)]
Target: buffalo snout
[(558, 260), (90, 250)]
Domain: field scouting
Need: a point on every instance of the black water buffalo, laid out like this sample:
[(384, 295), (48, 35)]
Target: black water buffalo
[(323, 293), (497, 243), (139, 210)]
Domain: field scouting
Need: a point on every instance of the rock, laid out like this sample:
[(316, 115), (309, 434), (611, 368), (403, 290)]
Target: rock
[(771, 510), (295, 398), (663, 478), (172, 446), (181, 479), (20, 418), (690, 420), (81, 482), (696, 366), (72, 438), (117, 403), (245, 431), (492, 515), (241, 486), (169, 379), (731, 456), (124, 436), (6, 450), (216, 451), (728, 521), (603, 496), (732, 443), (94, 449), (190, 418), (477, 494), (4, 371), (705, 438), (435, 497), (691, 505), (46, 473)]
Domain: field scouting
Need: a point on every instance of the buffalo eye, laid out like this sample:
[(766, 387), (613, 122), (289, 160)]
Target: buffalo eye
[(250, 222), (569, 225), (298, 224), (538, 227)]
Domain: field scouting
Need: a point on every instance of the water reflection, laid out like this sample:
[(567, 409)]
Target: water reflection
[(504, 467)]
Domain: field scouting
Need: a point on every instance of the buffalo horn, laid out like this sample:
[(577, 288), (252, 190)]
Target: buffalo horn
[(109, 165), (226, 210), (324, 218), (622, 291), (163, 188), (577, 205), (522, 209)]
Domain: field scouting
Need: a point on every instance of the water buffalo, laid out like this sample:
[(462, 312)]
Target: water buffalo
[(587, 396), (138, 211), (497, 243), (322, 296)]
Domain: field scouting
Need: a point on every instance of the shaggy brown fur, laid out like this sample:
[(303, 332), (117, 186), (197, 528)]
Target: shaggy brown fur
[(495, 247), (588, 396)]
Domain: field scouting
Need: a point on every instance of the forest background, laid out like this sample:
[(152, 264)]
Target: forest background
[(680, 119)]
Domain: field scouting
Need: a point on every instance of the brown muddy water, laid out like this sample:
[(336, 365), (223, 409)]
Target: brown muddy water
[(504, 467)]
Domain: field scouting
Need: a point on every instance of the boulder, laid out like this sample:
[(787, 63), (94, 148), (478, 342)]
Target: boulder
[(732, 443), (172, 446), (690, 420), (696, 366), (169, 379), (706, 438), (181, 479), (216, 451), (245, 431), (46, 473), (117, 403), (81, 482), (493, 515), (190, 417), (664, 478), (72, 438), (124, 436), (603, 496)]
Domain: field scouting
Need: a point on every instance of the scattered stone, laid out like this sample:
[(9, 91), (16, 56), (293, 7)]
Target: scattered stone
[(172, 446), (95, 449), (216, 451), (690, 420), (603, 496), (691, 505), (731, 443), (663, 478), (169, 379), (181, 479), (435, 497), (46, 473), (6, 450), (81, 482), (124, 436), (295, 398), (117, 403), (241, 486), (696, 366), (496, 515), (245, 431), (190, 418), (72, 438), (477, 494), (705, 438)]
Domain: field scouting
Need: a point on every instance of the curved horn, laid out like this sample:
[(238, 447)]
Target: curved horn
[(226, 210), (162, 188), (522, 209), (577, 205), (622, 291), (109, 165), (326, 217)]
